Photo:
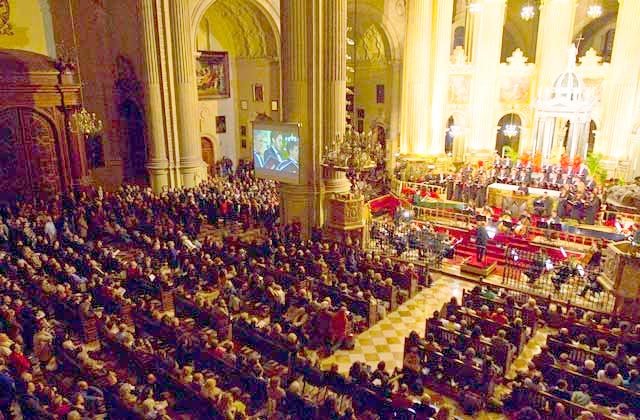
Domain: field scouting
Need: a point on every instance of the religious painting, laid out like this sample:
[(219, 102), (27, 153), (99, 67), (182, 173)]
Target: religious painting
[(258, 92), (212, 74), (514, 89), (243, 143), (244, 105), (459, 86), (360, 112), (275, 106), (379, 94), (360, 126), (350, 97), (243, 130), (221, 124)]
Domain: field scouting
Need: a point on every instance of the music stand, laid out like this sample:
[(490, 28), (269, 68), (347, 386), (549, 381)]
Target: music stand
[(481, 218), (556, 226), (542, 225)]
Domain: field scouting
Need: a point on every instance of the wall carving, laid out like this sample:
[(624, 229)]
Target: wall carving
[(247, 28), (5, 14), (371, 46), (459, 86)]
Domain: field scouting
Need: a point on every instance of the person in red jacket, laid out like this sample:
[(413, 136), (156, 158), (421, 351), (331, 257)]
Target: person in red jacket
[(499, 316), (338, 329), (18, 361)]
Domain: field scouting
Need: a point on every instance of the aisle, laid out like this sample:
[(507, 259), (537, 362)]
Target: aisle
[(385, 340)]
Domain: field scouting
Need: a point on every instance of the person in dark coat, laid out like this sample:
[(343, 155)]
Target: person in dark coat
[(482, 237)]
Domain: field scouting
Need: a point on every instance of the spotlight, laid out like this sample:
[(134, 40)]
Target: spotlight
[(475, 6)]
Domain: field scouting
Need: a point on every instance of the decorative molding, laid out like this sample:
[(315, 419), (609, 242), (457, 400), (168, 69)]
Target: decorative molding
[(371, 46), (5, 13)]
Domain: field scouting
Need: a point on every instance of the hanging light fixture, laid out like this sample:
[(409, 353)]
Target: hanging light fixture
[(82, 121), (455, 130), (475, 6), (510, 130), (528, 11), (594, 10)]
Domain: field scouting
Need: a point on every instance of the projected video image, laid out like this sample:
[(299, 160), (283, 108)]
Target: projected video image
[(276, 152)]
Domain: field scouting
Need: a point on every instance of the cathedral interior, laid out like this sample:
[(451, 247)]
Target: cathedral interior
[(333, 209)]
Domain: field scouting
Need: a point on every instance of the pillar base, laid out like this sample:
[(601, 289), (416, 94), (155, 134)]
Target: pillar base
[(301, 204)]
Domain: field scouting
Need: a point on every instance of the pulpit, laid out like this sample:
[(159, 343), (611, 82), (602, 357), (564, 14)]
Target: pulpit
[(346, 217), (621, 274)]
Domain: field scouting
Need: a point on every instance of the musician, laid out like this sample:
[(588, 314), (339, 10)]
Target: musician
[(592, 208), (449, 186), (505, 222), (577, 207), (562, 202), (523, 189), (593, 285), (523, 225), (482, 237), (562, 275), (547, 204), (537, 268), (596, 257)]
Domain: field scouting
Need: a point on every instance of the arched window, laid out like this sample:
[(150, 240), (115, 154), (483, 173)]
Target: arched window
[(608, 45), (458, 37), (592, 137), (448, 137)]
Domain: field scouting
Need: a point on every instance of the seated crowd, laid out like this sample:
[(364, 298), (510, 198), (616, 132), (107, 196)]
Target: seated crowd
[(123, 304)]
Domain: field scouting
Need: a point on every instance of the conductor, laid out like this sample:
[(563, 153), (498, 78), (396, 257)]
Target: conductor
[(481, 241)]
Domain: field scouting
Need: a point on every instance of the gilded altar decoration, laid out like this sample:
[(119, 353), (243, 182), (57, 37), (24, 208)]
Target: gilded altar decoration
[(5, 26), (212, 73)]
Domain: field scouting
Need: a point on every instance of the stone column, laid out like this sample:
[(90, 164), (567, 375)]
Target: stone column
[(487, 44), (622, 84), (192, 168), (440, 73), (415, 123), (334, 89), (394, 124), (158, 163), (555, 33), (302, 64)]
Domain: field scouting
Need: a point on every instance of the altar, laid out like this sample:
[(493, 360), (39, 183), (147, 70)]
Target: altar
[(504, 196)]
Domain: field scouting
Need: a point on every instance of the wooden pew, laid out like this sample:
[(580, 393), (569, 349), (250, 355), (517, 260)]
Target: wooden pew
[(443, 336), (490, 328)]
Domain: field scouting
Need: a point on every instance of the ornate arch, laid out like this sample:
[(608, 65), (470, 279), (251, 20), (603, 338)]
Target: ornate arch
[(250, 14)]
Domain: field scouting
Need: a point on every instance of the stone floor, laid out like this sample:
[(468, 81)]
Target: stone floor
[(385, 340)]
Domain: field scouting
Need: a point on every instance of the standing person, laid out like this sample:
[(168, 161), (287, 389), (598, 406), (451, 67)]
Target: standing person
[(482, 237)]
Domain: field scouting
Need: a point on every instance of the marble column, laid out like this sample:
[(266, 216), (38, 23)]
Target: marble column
[(334, 73), (192, 168), (443, 12), (488, 23), (394, 124), (415, 123), (302, 82), (622, 85), (555, 32), (158, 163)]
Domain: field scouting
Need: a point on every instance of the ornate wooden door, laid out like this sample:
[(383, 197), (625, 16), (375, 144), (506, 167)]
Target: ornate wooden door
[(29, 162), (207, 154)]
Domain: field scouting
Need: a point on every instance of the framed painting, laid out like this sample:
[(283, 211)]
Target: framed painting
[(258, 92), (244, 105), (221, 124), (212, 74), (275, 106), (379, 94), (243, 130)]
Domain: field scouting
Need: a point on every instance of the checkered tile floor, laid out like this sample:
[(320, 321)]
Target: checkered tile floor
[(385, 340)]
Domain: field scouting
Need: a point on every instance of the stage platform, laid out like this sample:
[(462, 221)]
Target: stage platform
[(473, 266)]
